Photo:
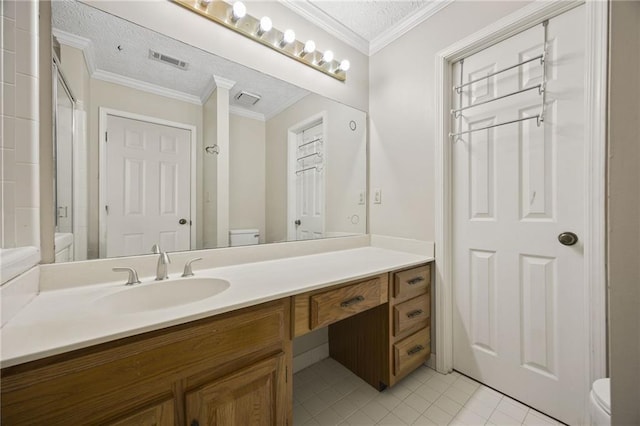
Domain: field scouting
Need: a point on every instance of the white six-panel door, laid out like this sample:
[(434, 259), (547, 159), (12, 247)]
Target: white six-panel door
[(148, 187), (310, 195), (518, 293)]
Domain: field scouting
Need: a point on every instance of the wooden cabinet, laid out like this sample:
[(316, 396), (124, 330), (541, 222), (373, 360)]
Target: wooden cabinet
[(160, 414), (247, 397), (207, 369), (384, 344), (320, 308)]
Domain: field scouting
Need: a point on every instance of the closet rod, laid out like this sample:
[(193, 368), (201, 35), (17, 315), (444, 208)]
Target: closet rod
[(541, 57), (308, 168), (539, 87), (310, 155), (310, 142), (537, 117)]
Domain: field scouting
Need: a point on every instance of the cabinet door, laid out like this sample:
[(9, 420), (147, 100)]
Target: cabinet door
[(161, 414), (253, 396)]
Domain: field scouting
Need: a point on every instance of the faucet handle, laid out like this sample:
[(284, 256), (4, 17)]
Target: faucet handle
[(156, 249), (133, 275), (188, 272)]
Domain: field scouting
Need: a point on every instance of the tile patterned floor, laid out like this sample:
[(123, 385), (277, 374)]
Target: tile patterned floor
[(327, 393)]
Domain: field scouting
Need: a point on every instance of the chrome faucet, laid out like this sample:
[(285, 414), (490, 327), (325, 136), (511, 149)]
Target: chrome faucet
[(161, 270)]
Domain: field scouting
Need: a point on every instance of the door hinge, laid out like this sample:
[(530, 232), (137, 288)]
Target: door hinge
[(106, 208)]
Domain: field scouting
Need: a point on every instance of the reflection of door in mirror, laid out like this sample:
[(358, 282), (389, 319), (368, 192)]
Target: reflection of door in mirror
[(146, 184), (308, 174), (64, 164), (306, 193)]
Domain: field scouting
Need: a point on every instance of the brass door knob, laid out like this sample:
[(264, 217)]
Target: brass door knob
[(568, 238)]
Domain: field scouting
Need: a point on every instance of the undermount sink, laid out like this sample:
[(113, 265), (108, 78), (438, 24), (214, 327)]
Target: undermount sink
[(162, 294)]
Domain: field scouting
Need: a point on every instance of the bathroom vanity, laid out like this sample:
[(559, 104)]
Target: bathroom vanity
[(230, 363)]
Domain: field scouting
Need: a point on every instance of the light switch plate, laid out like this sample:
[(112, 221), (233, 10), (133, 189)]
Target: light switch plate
[(377, 196)]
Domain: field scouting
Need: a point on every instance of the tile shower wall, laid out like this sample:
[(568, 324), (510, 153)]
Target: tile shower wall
[(19, 184)]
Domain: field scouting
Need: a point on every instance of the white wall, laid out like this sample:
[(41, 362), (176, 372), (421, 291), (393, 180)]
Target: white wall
[(401, 108), (345, 164), (19, 177), (247, 174), (624, 212), (115, 96)]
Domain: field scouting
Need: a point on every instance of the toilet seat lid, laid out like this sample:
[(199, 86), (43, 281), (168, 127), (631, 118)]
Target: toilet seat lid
[(602, 394)]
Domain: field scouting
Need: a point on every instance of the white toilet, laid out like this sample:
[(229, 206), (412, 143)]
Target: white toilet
[(600, 403), (243, 237)]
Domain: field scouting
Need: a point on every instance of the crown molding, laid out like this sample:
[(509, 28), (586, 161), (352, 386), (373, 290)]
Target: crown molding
[(145, 87), (208, 90), (242, 112), (223, 83), (322, 20), (78, 42), (406, 25)]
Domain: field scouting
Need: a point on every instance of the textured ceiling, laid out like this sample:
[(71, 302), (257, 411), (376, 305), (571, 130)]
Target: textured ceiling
[(131, 60), (369, 18)]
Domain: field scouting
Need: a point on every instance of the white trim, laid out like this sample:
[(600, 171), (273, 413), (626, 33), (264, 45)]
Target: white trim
[(102, 127), (78, 42), (310, 357), (595, 192), (410, 22), (223, 83), (145, 87), (595, 111), (208, 90), (331, 25), (292, 137), (236, 110)]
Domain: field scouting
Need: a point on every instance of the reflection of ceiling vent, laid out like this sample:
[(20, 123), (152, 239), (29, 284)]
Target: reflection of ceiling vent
[(247, 99), (168, 60)]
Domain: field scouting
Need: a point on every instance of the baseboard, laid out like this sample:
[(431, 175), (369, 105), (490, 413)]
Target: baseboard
[(431, 362), (310, 357)]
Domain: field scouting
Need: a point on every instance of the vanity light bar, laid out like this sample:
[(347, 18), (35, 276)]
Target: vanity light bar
[(235, 18)]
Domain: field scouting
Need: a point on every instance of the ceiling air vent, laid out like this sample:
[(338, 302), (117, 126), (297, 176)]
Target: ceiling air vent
[(247, 99), (168, 60)]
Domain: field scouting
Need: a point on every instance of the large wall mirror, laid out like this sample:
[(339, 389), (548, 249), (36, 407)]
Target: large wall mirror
[(159, 142)]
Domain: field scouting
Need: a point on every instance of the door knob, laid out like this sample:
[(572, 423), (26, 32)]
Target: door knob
[(568, 238), (182, 221), (297, 222)]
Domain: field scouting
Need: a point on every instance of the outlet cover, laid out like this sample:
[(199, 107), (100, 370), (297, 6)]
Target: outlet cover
[(377, 196)]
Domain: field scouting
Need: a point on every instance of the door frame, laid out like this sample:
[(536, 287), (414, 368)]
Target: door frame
[(102, 129), (594, 313), (292, 134)]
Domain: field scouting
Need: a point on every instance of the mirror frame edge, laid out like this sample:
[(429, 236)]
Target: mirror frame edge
[(45, 54)]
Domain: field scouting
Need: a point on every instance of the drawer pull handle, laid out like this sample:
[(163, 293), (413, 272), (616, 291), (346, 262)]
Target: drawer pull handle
[(414, 350), (415, 313), (416, 280), (352, 301)]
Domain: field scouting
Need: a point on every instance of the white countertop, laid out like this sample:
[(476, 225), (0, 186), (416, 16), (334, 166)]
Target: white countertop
[(58, 321)]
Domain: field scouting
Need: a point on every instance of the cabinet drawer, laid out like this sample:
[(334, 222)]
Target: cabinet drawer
[(411, 352), (411, 283), (334, 305), (413, 313)]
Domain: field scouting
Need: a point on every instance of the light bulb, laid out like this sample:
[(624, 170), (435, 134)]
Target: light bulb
[(327, 57), (265, 25), (309, 47), (289, 36), (239, 10), (344, 65)]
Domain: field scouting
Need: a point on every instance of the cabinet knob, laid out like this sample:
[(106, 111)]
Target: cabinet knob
[(195, 423)]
